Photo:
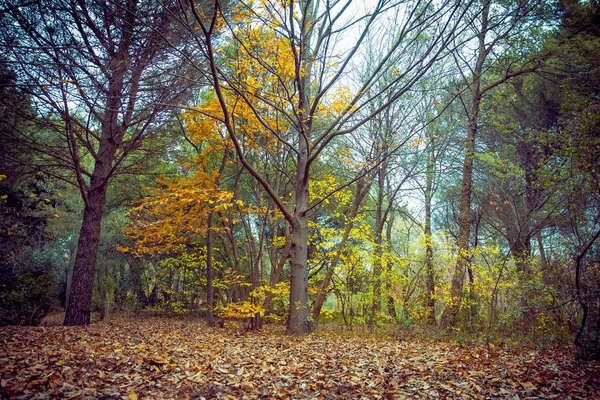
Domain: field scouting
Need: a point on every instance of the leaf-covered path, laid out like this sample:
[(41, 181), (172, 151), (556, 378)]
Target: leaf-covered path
[(168, 358)]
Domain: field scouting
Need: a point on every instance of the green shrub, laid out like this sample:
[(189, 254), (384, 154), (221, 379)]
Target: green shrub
[(28, 301)]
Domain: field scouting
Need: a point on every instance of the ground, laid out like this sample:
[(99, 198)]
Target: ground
[(170, 358)]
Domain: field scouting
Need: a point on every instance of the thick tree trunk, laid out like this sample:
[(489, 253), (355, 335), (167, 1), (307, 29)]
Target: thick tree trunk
[(299, 316), (82, 284), (298, 321), (79, 303)]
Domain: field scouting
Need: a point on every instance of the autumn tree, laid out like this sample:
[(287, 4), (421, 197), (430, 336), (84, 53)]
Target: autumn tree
[(301, 76), (178, 215), (101, 76)]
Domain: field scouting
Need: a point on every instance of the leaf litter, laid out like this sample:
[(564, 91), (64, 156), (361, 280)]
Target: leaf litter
[(170, 358)]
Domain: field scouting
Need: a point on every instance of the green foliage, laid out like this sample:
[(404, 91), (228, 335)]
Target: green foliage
[(32, 258), (26, 288), (28, 302)]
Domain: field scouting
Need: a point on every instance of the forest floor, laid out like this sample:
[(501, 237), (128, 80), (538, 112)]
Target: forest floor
[(170, 358)]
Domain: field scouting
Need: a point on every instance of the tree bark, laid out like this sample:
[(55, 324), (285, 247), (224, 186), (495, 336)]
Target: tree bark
[(121, 62), (298, 320), (79, 303)]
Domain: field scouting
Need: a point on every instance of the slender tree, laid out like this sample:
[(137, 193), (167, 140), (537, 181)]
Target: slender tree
[(495, 25)]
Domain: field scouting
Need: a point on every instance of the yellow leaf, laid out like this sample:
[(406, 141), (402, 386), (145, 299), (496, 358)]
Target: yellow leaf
[(132, 396)]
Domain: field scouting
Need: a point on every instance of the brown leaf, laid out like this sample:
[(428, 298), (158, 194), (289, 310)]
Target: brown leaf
[(187, 359)]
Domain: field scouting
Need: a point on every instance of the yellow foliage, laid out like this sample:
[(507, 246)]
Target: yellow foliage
[(280, 291), (247, 309), (244, 309), (176, 210), (278, 241)]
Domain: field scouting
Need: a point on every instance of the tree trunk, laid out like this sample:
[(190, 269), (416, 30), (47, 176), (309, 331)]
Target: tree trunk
[(298, 320), (464, 225), (79, 303), (430, 283), (464, 219), (540, 244), (299, 315), (82, 284), (378, 250), (391, 302), (521, 252)]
